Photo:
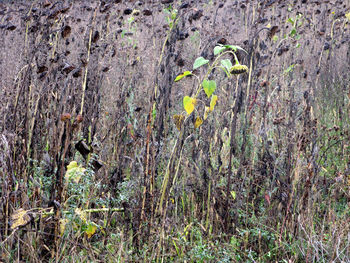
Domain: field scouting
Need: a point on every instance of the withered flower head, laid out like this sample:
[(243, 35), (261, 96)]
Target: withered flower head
[(65, 116), (238, 69), (79, 118)]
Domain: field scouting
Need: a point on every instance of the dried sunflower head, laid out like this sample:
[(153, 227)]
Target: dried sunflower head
[(238, 69)]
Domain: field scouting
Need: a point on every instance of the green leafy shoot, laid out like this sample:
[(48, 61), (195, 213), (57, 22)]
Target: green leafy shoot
[(209, 87), (235, 48), (200, 62), (220, 48), (293, 32), (289, 69), (291, 20), (181, 76)]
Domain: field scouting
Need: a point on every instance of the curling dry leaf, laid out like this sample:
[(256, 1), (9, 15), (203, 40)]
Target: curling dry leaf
[(19, 218), (178, 119), (198, 122)]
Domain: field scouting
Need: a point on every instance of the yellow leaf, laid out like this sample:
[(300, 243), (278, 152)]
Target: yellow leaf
[(348, 16), (189, 104), (213, 101), (198, 122), (178, 119), (233, 194), (91, 229), (72, 165), (206, 113), (20, 218), (63, 223), (74, 172)]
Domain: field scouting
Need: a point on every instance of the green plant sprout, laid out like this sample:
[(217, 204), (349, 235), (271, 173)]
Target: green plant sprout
[(209, 86), (171, 16)]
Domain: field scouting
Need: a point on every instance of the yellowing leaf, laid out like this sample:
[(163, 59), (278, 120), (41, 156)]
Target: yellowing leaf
[(63, 223), (206, 112), (186, 73), (213, 102), (72, 165), (347, 15), (189, 104), (80, 213), (198, 122), (178, 119), (91, 229), (19, 218), (233, 194), (74, 172)]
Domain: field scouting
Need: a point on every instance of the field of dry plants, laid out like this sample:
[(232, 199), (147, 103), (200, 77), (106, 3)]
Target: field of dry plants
[(175, 131)]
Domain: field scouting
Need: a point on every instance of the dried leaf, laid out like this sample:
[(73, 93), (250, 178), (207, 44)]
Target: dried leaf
[(20, 218), (198, 122), (206, 112), (178, 119)]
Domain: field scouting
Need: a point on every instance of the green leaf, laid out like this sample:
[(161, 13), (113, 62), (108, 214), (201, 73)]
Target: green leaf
[(189, 104), (166, 11), (289, 69), (233, 194), (209, 87), (218, 50), (173, 14), (186, 73), (293, 32), (275, 38), (235, 48), (226, 63), (290, 20), (200, 62)]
